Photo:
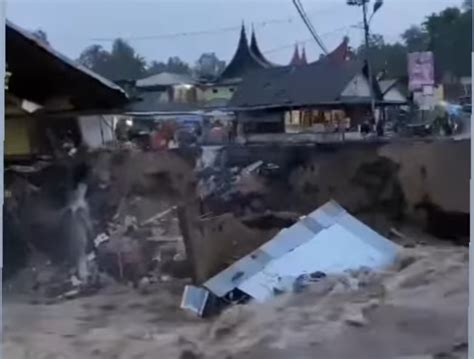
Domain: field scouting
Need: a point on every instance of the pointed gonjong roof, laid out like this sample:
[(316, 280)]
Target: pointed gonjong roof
[(295, 60), (244, 60), (298, 59), (303, 60), (256, 50), (340, 54)]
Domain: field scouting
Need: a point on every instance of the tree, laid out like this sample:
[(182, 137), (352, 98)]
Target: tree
[(416, 39), (122, 63), (209, 66), (450, 39), (389, 59), (177, 66), (156, 67), (125, 63), (447, 34), (174, 65), (97, 59)]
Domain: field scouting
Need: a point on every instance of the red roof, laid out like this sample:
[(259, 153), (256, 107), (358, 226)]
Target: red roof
[(296, 59)]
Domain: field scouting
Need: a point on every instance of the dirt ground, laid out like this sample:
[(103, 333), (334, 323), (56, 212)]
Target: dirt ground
[(417, 308)]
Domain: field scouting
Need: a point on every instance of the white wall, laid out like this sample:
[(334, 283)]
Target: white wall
[(358, 87), (96, 130), (394, 94)]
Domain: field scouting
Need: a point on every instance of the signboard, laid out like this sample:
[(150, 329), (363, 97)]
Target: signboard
[(420, 70), (424, 101)]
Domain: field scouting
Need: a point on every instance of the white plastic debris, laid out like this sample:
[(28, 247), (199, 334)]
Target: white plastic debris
[(100, 239), (194, 299), (328, 240)]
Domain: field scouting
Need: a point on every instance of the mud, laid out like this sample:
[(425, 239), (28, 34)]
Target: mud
[(417, 308), (380, 183)]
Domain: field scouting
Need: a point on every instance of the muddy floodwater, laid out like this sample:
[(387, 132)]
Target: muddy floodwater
[(419, 307)]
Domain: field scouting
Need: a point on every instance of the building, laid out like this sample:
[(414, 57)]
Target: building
[(164, 95), (170, 87), (247, 58), (175, 98), (51, 98), (298, 59), (324, 92)]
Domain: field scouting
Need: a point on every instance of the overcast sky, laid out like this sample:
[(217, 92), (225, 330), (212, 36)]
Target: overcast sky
[(72, 25)]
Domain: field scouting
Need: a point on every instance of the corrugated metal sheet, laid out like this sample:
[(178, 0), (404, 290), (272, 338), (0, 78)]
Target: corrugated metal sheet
[(66, 60), (329, 240)]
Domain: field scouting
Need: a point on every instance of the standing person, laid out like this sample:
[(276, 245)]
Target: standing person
[(217, 132), (379, 128), (347, 123), (365, 128), (158, 139)]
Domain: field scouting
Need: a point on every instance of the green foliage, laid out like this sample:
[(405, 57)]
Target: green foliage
[(450, 39), (416, 39), (209, 66), (448, 34), (122, 63)]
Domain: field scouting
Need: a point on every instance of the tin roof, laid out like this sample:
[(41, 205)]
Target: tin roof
[(328, 240), (40, 72)]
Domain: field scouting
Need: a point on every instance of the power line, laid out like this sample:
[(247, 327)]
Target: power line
[(282, 47), (170, 35), (261, 23), (307, 22), (311, 25), (197, 33)]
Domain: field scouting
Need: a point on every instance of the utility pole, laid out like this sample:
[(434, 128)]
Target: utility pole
[(363, 3), (367, 56)]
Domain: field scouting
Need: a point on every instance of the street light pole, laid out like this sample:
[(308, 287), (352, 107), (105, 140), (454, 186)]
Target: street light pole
[(377, 6), (367, 56)]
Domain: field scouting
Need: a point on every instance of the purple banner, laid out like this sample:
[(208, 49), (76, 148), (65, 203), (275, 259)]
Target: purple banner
[(420, 70)]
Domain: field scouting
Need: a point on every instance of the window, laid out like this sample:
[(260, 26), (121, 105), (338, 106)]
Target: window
[(231, 89), (215, 90)]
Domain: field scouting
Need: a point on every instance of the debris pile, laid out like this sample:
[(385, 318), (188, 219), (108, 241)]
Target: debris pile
[(230, 189), (323, 280), (90, 226), (327, 242)]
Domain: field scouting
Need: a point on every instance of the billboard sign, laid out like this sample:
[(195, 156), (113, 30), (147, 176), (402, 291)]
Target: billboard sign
[(420, 70)]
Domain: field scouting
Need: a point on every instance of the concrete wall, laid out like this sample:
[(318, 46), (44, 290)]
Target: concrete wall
[(218, 92)]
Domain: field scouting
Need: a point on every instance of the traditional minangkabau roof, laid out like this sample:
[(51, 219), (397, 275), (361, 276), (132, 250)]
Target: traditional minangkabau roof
[(256, 50), (303, 60), (340, 54), (295, 60), (298, 59), (319, 83), (244, 60)]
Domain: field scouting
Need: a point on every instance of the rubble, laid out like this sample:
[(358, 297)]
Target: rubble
[(319, 299), (99, 223)]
